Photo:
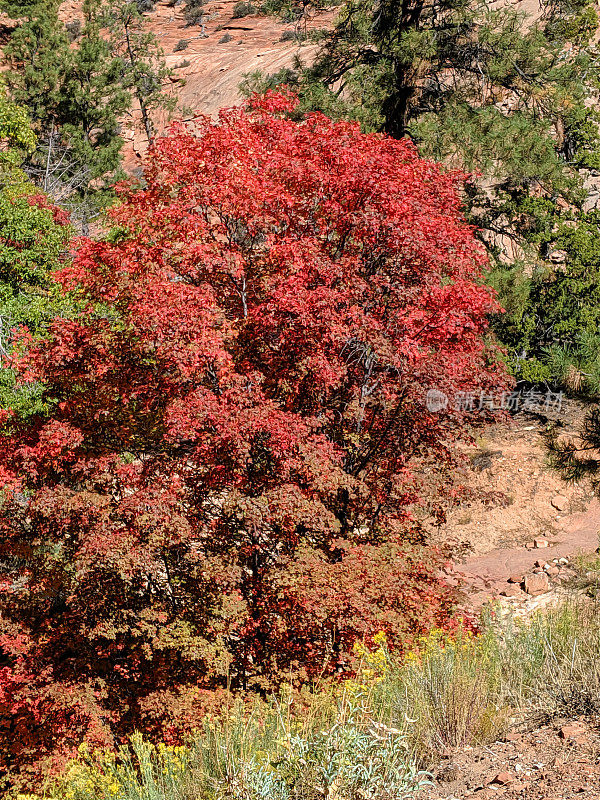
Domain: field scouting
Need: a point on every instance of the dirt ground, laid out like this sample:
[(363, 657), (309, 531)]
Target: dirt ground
[(513, 487), (552, 762)]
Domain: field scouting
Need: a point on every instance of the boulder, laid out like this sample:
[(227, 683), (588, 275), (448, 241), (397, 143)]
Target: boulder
[(512, 590)]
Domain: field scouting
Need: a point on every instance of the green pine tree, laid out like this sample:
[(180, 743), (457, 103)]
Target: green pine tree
[(474, 84), (93, 97), (144, 68), (38, 57), (74, 96), (78, 91)]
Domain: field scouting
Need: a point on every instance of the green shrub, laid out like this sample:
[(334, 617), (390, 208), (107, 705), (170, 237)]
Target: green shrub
[(242, 9), (194, 12)]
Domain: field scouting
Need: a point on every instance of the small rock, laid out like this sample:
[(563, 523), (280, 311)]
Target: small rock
[(552, 571), (560, 502), (574, 731), (504, 778), (540, 542), (516, 579), (536, 584), (563, 561), (512, 590), (565, 575), (558, 256)]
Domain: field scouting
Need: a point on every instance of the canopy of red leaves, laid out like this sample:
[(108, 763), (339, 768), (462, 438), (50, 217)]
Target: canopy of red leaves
[(220, 493)]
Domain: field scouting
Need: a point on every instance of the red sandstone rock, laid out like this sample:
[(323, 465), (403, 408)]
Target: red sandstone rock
[(560, 502), (504, 778), (535, 584)]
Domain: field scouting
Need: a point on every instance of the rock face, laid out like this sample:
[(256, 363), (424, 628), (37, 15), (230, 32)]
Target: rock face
[(591, 183), (537, 583)]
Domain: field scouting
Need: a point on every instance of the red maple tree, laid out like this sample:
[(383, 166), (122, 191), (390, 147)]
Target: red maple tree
[(219, 493)]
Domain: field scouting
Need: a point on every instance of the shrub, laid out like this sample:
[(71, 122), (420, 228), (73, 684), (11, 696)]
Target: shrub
[(261, 756), (451, 688), (242, 9), (225, 38), (193, 12), (464, 689), (182, 44)]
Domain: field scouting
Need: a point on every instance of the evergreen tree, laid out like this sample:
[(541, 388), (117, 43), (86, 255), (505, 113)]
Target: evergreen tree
[(93, 98), (77, 93), (18, 8), (476, 85), (552, 323), (144, 69), (38, 57), (74, 96), (578, 459)]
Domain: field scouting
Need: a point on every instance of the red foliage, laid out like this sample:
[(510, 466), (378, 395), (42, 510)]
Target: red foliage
[(220, 493), (59, 215)]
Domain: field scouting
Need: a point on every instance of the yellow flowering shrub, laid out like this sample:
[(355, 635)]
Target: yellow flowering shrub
[(142, 770), (374, 665)]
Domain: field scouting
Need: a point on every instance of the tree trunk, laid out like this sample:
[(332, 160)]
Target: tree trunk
[(143, 107)]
